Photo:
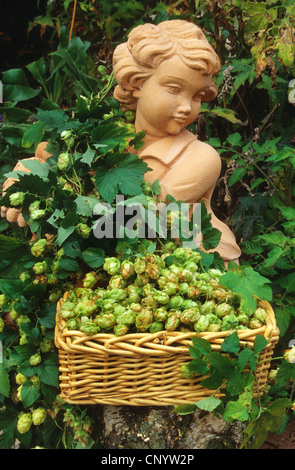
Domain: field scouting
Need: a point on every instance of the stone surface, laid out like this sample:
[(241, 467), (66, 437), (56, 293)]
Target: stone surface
[(207, 431), (127, 427)]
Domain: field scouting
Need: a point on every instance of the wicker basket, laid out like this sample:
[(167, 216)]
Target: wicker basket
[(142, 369)]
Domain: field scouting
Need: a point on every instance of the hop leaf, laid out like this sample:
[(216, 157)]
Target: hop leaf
[(246, 282)]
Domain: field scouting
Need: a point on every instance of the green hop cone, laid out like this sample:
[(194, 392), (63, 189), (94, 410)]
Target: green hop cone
[(149, 301), (105, 321), (184, 275), (181, 254), (35, 359), (112, 265), (189, 303), (85, 307), (2, 324), (193, 291), (38, 214), (65, 135), (98, 294), (126, 318), (160, 314), (215, 273), (116, 281), (156, 326), (108, 305), (186, 373), (203, 277), (148, 289), (204, 288), (40, 267), (55, 295), (83, 230), (171, 288), (35, 381), (16, 199), (243, 318), (190, 315), (55, 266), (83, 292), (19, 393), (90, 280), (260, 314), (24, 422), (214, 327), (23, 339), (39, 416), (194, 256), (152, 259), (202, 324), (24, 276), (117, 294), (146, 187), (46, 345), (89, 328), (173, 320), (38, 248), (22, 319), (176, 301), (153, 271), (20, 378), (272, 375), (2, 300), (73, 324), (183, 287), (214, 319), (127, 269), (171, 275), (13, 314), (162, 281), (63, 161), (144, 319), (223, 309), (35, 211), (135, 307), (121, 330), (117, 309), (170, 246), (140, 265), (254, 323), (67, 310), (161, 297), (34, 206), (229, 322), (134, 293), (191, 266), (207, 307), (141, 279)]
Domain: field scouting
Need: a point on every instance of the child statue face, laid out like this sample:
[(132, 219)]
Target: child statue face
[(170, 99)]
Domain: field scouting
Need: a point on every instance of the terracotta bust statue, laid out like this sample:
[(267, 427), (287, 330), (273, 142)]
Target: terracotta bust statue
[(164, 72)]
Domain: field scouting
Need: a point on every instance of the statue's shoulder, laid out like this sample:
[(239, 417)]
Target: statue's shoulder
[(201, 150)]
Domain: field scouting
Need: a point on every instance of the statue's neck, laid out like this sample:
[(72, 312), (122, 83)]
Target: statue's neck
[(152, 135)]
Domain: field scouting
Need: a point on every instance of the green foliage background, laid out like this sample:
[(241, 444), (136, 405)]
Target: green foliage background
[(69, 87)]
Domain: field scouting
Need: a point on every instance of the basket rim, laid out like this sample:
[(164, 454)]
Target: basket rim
[(161, 343)]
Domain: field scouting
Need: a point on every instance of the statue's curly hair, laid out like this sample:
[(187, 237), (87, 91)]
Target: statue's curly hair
[(148, 45)]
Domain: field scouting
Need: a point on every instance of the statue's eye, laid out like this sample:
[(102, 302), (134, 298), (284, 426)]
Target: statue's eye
[(174, 89)]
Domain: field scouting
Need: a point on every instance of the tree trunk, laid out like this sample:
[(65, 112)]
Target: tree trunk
[(129, 427)]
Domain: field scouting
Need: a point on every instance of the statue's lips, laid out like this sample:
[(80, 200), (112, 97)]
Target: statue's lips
[(180, 119)]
